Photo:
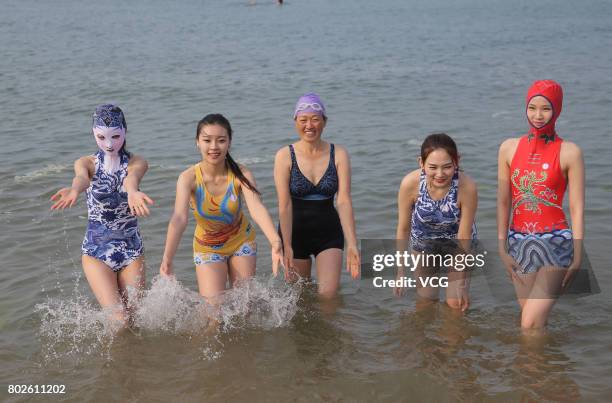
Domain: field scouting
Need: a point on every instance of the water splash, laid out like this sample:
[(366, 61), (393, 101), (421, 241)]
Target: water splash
[(260, 304), (168, 307), (75, 327), (257, 303)]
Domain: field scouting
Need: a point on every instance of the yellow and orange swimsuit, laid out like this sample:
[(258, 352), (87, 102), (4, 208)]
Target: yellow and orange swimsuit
[(222, 230)]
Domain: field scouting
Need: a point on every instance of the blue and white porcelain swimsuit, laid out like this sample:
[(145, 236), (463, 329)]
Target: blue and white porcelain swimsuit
[(435, 220), (112, 234)]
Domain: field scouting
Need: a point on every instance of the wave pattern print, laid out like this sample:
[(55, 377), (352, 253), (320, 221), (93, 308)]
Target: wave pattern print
[(535, 250), (112, 234)]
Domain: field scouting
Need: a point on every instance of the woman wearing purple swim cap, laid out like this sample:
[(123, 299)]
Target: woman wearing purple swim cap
[(308, 174)]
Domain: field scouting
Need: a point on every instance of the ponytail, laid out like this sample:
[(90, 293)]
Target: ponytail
[(235, 168)]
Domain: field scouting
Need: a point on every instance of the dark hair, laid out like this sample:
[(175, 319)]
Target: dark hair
[(439, 140), (124, 123), (218, 119)]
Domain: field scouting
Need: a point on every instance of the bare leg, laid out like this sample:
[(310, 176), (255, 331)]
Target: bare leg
[(104, 284), (523, 290), (301, 269), (132, 276), (212, 279), (542, 298), (457, 291), (426, 295), (241, 268), (329, 268)]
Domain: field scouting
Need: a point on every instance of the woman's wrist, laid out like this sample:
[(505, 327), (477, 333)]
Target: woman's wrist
[(352, 245), (130, 190)]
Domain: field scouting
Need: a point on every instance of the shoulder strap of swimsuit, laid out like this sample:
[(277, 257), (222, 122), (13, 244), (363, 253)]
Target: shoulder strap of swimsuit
[(97, 161), (454, 184), (198, 173), (232, 179), (422, 185), (292, 152)]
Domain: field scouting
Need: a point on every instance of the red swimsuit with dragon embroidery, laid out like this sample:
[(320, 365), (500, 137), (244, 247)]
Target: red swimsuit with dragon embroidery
[(539, 234)]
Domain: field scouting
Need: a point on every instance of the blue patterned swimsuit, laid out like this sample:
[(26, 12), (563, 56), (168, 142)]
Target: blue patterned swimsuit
[(112, 234), (436, 220)]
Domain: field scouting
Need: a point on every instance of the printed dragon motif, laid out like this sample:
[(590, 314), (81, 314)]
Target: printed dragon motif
[(525, 186)]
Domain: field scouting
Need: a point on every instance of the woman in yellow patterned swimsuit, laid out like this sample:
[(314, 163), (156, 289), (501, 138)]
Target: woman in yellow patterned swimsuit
[(224, 240)]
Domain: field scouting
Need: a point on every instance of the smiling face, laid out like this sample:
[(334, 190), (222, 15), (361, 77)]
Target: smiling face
[(214, 143), (309, 126), (109, 139), (439, 168), (539, 111)]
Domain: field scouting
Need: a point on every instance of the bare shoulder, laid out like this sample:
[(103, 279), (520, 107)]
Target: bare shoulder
[(507, 149), (466, 183), (248, 175), (340, 151), (87, 159), (570, 150), (282, 157), (410, 182), (134, 158), (187, 177), (245, 170), (88, 162), (509, 144), (282, 152)]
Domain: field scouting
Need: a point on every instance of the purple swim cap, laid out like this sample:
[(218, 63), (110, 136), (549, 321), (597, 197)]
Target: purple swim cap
[(309, 103)]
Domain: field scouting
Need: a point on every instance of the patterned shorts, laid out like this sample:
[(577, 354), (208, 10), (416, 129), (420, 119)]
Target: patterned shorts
[(249, 248)]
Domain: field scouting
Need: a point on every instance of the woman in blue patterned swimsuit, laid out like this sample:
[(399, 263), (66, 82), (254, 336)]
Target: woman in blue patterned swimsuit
[(112, 251), (437, 205)]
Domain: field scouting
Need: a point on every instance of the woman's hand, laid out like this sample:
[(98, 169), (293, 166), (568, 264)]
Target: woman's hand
[(399, 291), (569, 275), (138, 203), (463, 294), (511, 266), (353, 261), (166, 269), (65, 197), (288, 261), (277, 256)]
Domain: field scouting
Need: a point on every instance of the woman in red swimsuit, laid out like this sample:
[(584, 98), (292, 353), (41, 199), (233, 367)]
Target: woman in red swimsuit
[(538, 248)]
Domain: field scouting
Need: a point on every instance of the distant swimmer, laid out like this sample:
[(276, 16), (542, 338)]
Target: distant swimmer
[(436, 209), (540, 251), (112, 251), (224, 246), (309, 174)]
